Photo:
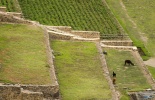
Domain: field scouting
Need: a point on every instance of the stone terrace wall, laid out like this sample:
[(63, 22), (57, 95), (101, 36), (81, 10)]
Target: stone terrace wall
[(63, 28), (83, 34), (6, 17), (54, 36), (87, 34), (28, 92), (10, 92), (15, 14), (118, 43), (3, 9)]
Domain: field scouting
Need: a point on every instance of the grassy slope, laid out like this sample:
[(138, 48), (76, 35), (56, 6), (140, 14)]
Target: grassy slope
[(79, 71), (142, 13), (152, 71), (80, 14), (129, 76), (23, 55)]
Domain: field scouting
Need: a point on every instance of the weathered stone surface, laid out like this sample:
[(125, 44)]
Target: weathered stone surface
[(9, 92), (28, 92), (48, 91), (54, 36), (6, 17), (87, 34), (3, 9), (28, 95), (118, 43), (63, 28), (15, 14)]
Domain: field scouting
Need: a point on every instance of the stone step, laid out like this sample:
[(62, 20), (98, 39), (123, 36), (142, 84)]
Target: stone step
[(86, 39), (60, 33), (119, 47), (30, 95), (117, 42)]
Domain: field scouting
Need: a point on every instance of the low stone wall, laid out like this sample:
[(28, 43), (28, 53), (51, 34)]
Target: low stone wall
[(28, 92), (28, 95), (5, 17), (3, 9), (10, 92), (63, 28), (54, 36), (118, 43), (87, 34), (15, 14), (49, 92)]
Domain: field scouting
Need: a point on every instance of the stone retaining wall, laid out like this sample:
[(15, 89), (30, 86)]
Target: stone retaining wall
[(63, 28), (118, 43), (6, 17), (54, 36), (68, 30), (28, 92), (87, 34), (3, 9), (15, 14)]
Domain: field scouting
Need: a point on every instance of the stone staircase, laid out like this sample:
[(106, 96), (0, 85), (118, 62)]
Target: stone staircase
[(68, 35)]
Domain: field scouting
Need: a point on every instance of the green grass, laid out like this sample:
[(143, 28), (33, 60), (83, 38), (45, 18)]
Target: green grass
[(79, 71), (79, 14), (11, 5), (152, 71), (23, 55), (142, 14), (127, 76)]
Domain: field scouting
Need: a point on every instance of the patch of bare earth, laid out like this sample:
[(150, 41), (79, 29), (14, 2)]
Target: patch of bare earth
[(150, 62)]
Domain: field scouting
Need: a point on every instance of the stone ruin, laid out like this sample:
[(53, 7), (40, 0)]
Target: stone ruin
[(142, 95)]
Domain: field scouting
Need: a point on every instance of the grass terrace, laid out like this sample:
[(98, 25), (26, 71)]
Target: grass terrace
[(79, 71), (129, 78), (23, 55)]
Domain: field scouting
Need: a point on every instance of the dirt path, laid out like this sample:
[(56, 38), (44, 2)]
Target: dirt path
[(150, 62)]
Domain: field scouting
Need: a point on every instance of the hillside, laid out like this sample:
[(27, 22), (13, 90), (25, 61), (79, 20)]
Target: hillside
[(83, 69), (137, 18)]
